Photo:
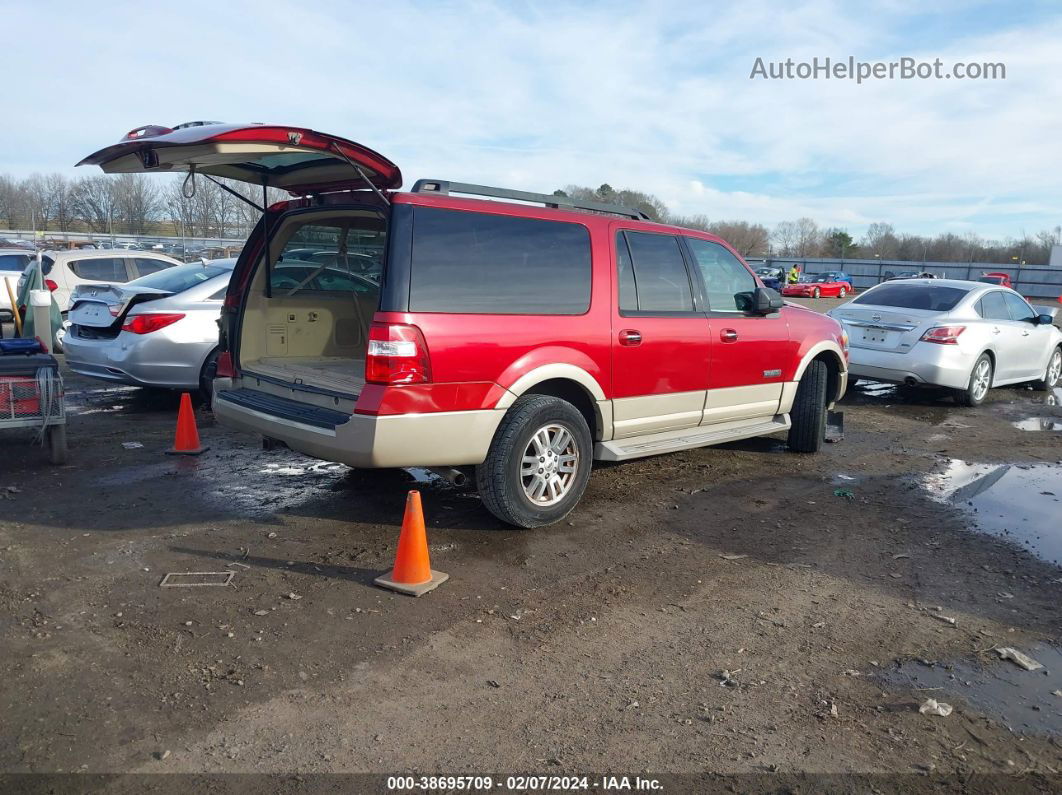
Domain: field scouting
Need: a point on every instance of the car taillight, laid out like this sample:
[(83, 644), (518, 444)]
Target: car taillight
[(224, 366), (51, 285), (397, 354), (943, 335), (147, 323)]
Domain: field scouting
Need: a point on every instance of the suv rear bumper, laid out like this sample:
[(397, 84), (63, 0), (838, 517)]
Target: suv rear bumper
[(445, 438)]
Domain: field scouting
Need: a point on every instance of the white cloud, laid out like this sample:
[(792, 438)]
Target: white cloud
[(654, 96)]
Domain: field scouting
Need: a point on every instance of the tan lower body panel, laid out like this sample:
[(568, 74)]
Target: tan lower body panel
[(450, 438), (742, 403), (635, 416)]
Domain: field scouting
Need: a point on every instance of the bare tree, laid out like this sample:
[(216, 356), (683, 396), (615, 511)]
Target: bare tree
[(58, 190), (809, 238), (38, 201), (94, 202), (785, 237), (137, 201), (879, 241), (748, 239)]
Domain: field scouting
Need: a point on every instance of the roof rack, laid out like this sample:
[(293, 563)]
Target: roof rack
[(446, 187)]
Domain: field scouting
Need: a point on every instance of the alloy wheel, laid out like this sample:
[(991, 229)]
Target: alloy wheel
[(549, 465), (1054, 369), (982, 379)]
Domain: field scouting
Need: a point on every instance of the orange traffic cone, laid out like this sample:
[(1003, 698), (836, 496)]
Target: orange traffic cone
[(186, 440), (412, 573)]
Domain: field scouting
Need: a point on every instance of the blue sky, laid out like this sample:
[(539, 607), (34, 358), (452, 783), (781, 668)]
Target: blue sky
[(535, 95)]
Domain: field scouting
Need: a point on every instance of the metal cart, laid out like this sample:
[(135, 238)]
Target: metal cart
[(31, 396)]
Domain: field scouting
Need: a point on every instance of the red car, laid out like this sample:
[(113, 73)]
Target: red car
[(514, 336), (824, 285), (997, 278)]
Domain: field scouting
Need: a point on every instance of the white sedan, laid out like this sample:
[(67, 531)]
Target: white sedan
[(967, 336)]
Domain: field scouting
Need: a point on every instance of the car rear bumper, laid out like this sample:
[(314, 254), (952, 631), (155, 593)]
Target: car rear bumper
[(154, 363), (445, 438), (925, 363)]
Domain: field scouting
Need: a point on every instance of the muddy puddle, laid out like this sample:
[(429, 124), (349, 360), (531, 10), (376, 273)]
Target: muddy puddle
[(1027, 701), (1019, 503)]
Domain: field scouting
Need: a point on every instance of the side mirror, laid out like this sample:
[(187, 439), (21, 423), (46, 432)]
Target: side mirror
[(765, 301), (1045, 319)]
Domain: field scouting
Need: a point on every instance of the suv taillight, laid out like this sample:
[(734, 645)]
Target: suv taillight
[(397, 354), (943, 335), (149, 322), (224, 366)]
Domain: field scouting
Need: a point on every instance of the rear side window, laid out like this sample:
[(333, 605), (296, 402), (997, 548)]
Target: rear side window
[(993, 307), (1019, 310), (729, 284), (660, 278), (497, 264), (934, 298), (103, 269), (144, 265)]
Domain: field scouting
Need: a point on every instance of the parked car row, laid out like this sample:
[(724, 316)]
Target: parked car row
[(507, 337)]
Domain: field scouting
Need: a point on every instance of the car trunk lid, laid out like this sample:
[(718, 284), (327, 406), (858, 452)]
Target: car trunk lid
[(296, 159), (98, 310), (884, 328)]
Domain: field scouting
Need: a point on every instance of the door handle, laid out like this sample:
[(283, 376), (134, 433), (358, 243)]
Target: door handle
[(630, 337), (995, 330), (1025, 333), (728, 335)]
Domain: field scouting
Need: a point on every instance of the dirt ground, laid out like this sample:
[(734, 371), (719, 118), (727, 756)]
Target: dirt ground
[(729, 610)]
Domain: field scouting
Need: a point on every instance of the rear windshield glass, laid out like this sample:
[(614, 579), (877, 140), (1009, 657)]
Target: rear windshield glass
[(497, 264), (935, 298), (179, 277)]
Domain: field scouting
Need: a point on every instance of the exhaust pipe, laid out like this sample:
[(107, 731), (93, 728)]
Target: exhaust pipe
[(453, 476)]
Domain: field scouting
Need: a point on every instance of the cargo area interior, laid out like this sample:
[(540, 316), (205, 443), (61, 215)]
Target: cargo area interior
[(324, 274)]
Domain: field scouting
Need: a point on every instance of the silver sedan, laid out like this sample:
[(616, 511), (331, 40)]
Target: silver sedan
[(967, 336), (160, 330)]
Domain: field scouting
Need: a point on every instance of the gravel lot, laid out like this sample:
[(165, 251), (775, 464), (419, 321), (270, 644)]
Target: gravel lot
[(736, 609)]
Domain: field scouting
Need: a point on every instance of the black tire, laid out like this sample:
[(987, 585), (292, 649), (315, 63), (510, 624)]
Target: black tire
[(815, 293), (969, 397), (498, 477), (1047, 383), (57, 444), (206, 377), (842, 293), (808, 417)]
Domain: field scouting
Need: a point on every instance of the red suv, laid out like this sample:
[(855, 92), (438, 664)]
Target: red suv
[(513, 335)]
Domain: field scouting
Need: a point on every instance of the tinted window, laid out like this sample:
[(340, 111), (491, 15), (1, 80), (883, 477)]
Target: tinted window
[(1019, 310), (145, 266), (103, 269), (993, 307), (179, 277), (14, 262), (496, 264), (913, 296), (659, 273), (729, 284), (337, 255)]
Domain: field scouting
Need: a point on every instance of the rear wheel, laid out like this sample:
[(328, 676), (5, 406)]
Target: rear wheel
[(808, 415), (980, 382), (842, 293), (1053, 372), (538, 464)]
